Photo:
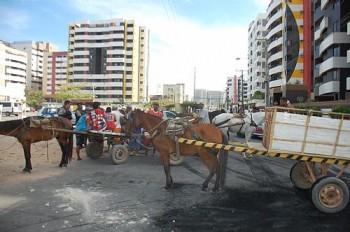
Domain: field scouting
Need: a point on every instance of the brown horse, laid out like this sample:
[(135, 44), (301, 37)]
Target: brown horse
[(165, 145), (26, 135)]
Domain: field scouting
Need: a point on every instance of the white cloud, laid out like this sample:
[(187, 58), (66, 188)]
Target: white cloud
[(262, 4), (14, 19), (178, 45)]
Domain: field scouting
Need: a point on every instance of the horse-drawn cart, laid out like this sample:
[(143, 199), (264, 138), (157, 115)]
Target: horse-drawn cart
[(316, 140), (94, 149)]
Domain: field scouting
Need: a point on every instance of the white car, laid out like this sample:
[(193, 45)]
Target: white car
[(51, 111), (168, 115)]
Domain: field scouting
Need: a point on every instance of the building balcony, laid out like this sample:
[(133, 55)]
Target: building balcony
[(329, 87), (348, 56), (324, 3), (323, 26), (116, 52), (276, 56), (333, 63), (334, 38), (273, 31), (100, 37), (272, 6), (81, 61), (275, 83), (275, 43), (115, 68), (348, 28), (277, 69), (99, 45), (119, 60), (274, 17), (81, 53)]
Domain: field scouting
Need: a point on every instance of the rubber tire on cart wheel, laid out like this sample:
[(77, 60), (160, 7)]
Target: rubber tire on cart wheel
[(300, 176), (330, 194), (175, 160), (119, 154), (7, 114), (94, 150)]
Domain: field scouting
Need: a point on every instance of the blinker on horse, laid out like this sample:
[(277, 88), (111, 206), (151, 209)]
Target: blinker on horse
[(26, 135), (165, 145)]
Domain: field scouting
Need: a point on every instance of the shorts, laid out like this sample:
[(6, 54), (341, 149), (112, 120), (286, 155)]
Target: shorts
[(79, 139)]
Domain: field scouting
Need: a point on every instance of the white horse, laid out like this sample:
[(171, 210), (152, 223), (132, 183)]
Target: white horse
[(246, 125)]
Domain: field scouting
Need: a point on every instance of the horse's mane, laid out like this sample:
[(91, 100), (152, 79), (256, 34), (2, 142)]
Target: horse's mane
[(148, 115), (15, 123)]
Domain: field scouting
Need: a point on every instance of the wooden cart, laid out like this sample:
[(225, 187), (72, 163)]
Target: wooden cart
[(316, 146)]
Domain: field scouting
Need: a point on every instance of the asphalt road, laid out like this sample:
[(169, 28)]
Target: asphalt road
[(95, 195)]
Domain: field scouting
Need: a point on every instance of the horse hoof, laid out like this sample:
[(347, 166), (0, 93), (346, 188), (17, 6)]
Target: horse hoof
[(26, 170)]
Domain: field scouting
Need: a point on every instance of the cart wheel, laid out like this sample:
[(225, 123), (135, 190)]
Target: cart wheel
[(176, 160), (119, 154), (94, 149), (300, 176), (330, 194)]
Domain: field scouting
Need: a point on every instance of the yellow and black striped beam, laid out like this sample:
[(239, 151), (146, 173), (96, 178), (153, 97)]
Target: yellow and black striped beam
[(238, 147)]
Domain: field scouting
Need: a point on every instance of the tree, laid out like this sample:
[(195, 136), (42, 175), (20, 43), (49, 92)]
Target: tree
[(258, 95), (72, 91), (34, 98)]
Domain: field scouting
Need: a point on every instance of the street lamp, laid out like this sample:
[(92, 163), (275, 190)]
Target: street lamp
[(267, 77), (93, 92), (242, 83)]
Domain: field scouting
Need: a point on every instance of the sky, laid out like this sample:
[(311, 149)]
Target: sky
[(185, 35)]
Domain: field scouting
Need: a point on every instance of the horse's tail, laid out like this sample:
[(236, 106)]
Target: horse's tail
[(70, 147), (223, 160)]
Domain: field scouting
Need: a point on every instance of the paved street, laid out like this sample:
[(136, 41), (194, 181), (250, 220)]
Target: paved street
[(95, 195)]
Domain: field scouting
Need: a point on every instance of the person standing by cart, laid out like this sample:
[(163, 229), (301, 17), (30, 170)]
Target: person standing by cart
[(65, 110), (111, 120), (81, 125)]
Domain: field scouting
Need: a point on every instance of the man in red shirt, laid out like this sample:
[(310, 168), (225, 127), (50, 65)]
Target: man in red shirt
[(155, 111)]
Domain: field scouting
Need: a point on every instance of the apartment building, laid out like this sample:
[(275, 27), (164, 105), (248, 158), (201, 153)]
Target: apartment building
[(111, 56), (13, 73), (215, 99), (55, 72), (257, 58), (174, 92), (331, 49), (35, 61), (200, 95), (288, 46)]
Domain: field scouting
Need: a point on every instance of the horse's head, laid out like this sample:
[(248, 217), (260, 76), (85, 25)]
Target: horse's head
[(133, 121)]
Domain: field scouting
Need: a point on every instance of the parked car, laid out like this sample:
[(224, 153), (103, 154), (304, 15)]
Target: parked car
[(259, 132), (11, 107), (168, 115), (52, 111)]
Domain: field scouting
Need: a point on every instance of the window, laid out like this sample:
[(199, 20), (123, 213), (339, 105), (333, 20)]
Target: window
[(336, 51)]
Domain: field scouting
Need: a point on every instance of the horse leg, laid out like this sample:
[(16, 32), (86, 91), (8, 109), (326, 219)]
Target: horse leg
[(248, 135), (166, 162), (211, 162), (64, 159), (27, 157)]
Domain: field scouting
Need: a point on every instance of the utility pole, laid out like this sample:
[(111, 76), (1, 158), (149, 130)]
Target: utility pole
[(194, 84), (242, 93)]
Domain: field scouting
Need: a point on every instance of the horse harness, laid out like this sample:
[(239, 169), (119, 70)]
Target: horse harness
[(174, 129)]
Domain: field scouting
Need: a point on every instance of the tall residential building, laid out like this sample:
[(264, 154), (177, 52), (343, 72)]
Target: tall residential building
[(215, 99), (331, 49), (257, 58), (200, 95), (13, 74), (111, 56), (289, 42), (56, 72), (174, 92), (35, 61)]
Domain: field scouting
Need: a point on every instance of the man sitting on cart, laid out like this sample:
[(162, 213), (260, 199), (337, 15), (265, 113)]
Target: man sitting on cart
[(95, 118)]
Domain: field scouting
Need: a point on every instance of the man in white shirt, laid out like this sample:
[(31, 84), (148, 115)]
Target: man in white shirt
[(203, 115)]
